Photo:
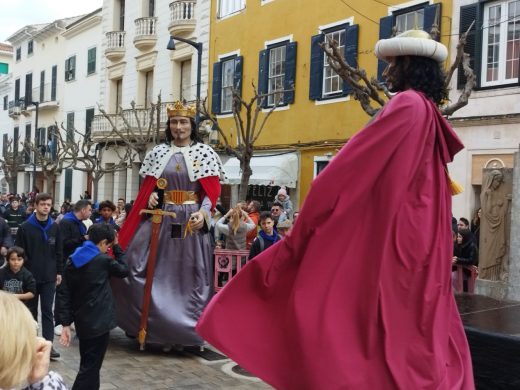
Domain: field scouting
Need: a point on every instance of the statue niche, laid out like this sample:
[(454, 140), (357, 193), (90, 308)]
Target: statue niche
[(495, 224)]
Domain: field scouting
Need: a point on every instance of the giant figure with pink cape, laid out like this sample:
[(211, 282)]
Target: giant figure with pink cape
[(359, 295)]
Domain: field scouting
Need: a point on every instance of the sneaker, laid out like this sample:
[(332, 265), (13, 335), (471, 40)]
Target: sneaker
[(54, 354), (58, 329)]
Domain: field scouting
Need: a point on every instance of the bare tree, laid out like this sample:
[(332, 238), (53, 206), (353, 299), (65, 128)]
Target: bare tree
[(136, 132), (83, 153), (49, 158), (11, 163), (249, 125), (372, 94)]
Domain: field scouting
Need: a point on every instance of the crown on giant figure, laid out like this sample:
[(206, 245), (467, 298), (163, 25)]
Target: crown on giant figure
[(180, 109)]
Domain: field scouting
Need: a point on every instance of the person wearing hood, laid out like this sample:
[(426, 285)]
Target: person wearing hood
[(86, 299), (465, 252), (286, 202)]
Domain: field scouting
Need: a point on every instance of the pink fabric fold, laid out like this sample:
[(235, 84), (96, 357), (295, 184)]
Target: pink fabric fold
[(359, 295)]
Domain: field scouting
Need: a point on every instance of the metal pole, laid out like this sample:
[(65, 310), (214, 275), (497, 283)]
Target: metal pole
[(199, 71), (198, 46), (37, 104)]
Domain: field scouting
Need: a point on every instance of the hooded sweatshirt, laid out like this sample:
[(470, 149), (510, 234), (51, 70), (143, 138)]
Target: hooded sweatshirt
[(86, 297)]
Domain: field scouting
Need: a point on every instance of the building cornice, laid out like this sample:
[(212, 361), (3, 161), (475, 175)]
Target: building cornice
[(490, 120), (83, 24)]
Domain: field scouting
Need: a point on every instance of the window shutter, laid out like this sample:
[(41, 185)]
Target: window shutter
[(468, 14), (386, 25), (316, 76), (54, 77), (237, 76), (216, 88), (351, 50), (263, 73), (67, 69), (237, 79), (290, 72), (430, 13), (73, 68)]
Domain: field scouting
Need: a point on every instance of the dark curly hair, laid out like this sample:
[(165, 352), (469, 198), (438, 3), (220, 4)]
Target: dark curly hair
[(194, 133), (421, 74)]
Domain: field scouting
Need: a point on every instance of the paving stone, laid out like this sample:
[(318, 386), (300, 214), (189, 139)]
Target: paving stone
[(125, 367)]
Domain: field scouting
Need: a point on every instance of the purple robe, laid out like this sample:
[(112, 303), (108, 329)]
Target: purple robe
[(182, 284)]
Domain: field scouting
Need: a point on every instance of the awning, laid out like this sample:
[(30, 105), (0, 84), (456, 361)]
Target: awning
[(269, 170)]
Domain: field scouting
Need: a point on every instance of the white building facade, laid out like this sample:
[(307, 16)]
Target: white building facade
[(55, 85), (6, 85), (137, 67), (489, 125)]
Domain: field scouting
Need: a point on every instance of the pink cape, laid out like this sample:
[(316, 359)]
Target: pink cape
[(359, 295)]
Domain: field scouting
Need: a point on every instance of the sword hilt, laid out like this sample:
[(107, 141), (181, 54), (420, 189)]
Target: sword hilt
[(158, 212)]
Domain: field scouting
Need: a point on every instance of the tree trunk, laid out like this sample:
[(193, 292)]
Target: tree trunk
[(50, 185), (95, 185), (244, 180), (12, 185)]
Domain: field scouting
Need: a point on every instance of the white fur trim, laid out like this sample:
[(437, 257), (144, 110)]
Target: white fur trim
[(201, 161)]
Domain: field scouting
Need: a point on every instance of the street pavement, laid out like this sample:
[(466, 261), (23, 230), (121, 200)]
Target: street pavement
[(125, 367)]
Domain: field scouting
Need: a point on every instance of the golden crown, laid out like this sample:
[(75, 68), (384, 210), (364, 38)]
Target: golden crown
[(179, 109)]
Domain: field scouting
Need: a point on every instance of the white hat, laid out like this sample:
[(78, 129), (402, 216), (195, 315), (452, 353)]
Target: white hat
[(411, 43)]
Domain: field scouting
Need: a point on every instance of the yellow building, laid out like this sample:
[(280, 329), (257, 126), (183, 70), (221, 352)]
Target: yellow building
[(275, 44)]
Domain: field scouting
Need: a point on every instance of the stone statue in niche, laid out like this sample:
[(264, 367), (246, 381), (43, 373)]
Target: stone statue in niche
[(495, 224)]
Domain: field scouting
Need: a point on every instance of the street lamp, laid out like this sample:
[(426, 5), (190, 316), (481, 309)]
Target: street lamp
[(37, 105), (198, 46)]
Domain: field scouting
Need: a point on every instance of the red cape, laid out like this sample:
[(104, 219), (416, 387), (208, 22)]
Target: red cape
[(359, 295), (210, 187)]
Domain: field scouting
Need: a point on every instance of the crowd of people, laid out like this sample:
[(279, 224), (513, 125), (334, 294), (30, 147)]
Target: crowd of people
[(382, 290)]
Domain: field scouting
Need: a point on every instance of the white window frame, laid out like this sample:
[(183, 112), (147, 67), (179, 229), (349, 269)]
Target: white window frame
[(228, 8), (326, 158), (227, 87), (332, 74), (502, 52), (275, 77)]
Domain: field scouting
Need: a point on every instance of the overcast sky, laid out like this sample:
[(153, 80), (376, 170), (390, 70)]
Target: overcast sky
[(15, 14)]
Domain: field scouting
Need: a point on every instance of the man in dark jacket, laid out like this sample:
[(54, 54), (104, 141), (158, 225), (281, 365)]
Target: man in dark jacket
[(86, 299), (40, 237), (73, 234), (6, 241), (14, 215)]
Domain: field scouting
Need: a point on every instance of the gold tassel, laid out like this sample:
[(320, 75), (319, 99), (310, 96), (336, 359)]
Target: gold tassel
[(455, 187), (188, 229)]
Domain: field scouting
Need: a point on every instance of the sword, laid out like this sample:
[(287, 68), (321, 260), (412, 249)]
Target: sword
[(157, 217)]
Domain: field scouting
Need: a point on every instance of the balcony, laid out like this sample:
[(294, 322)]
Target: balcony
[(182, 17), (115, 45), (145, 33), (47, 96), (13, 109), (102, 129)]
